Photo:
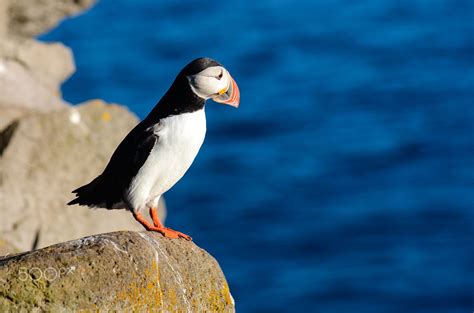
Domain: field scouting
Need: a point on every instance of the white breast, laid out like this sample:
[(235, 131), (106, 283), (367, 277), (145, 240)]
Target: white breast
[(180, 138)]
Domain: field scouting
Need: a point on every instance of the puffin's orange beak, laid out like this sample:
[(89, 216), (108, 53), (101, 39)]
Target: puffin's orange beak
[(229, 95)]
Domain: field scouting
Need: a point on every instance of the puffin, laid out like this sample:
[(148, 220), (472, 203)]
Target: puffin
[(157, 152)]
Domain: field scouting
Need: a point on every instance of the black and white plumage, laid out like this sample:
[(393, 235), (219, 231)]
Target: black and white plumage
[(160, 149)]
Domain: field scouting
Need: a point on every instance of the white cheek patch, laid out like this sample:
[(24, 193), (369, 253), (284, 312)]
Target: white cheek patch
[(206, 83)]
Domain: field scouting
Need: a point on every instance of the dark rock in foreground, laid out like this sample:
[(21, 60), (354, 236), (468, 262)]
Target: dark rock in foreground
[(124, 271)]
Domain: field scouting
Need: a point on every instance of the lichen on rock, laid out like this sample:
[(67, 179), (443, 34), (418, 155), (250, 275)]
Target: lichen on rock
[(121, 271)]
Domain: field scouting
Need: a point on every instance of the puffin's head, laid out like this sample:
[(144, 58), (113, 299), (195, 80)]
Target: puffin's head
[(208, 79)]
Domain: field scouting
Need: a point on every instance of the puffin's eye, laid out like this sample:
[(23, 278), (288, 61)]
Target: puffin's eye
[(220, 75)]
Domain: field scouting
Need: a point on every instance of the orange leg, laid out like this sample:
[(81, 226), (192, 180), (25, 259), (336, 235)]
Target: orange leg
[(157, 223), (167, 232), (154, 217)]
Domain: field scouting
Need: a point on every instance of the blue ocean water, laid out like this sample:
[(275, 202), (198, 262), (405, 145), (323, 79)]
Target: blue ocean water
[(345, 181)]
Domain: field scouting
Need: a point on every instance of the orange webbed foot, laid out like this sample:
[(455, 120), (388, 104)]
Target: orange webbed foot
[(170, 233), (158, 227)]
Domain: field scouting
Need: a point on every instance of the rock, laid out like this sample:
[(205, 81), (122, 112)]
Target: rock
[(49, 63), (19, 89), (43, 157), (8, 115), (29, 18), (7, 248), (31, 73), (3, 17), (121, 271)]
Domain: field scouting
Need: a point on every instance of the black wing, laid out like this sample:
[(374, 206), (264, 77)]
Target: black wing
[(107, 189)]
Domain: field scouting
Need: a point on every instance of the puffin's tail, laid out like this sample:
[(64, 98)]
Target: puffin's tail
[(97, 194)]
